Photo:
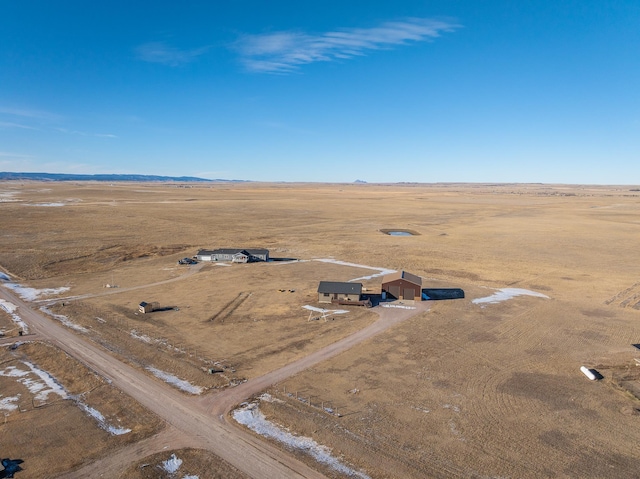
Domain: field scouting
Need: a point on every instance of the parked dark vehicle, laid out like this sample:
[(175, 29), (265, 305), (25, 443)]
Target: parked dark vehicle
[(187, 261)]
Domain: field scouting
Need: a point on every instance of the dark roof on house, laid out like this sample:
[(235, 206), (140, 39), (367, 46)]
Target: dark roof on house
[(252, 251), (205, 252), (412, 278), (340, 288)]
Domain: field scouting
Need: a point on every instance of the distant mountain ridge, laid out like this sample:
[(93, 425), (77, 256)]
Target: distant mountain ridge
[(6, 175)]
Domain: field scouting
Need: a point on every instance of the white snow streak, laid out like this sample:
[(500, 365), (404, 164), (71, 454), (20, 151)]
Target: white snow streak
[(102, 422), (31, 294), (45, 204), (400, 306), (251, 416), (505, 294), (381, 271), (64, 320), (141, 337), (175, 381), (11, 309), (46, 384), (6, 403)]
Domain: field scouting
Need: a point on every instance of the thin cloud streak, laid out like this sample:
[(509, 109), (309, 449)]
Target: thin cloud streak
[(286, 52), (6, 154), (160, 52), (10, 124), (82, 133), (28, 113)]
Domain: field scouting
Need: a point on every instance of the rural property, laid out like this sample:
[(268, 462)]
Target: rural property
[(236, 330)]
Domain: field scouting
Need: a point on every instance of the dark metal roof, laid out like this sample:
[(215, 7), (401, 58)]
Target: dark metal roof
[(252, 251), (340, 288), (412, 278)]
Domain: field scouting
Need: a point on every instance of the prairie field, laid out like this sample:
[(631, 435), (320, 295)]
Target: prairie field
[(469, 388)]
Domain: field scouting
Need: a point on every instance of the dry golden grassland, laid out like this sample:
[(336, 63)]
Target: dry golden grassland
[(463, 390), (192, 462), (51, 433)]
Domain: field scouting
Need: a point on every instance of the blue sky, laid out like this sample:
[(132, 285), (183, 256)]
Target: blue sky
[(425, 91)]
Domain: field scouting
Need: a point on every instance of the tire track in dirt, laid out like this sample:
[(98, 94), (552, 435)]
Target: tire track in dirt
[(191, 271), (629, 297)]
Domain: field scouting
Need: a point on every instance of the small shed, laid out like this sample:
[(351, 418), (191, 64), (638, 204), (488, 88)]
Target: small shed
[(145, 307), (402, 285), (329, 291)]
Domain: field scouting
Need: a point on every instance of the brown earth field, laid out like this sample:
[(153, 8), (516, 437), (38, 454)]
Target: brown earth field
[(465, 390)]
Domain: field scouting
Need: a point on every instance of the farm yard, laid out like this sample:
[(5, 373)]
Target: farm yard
[(482, 386)]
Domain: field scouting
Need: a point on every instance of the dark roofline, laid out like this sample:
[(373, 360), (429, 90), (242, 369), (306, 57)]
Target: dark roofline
[(339, 287)]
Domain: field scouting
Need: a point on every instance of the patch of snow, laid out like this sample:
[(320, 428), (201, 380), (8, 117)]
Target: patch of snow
[(102, 422), (31, 294), (141, 337), (7, 306), (322, 310), (11, 309), (41, 387), (6, 403), (45, 204), (64, 320), (453, 408), (51, 385), (505, 294), (401, 306), (7, 196), (421, 409), (4, 277), (381, 271), (266, 397), (175, 381), (190, 477), (13, 372), (251, 416), (46, 384), (172, 464)]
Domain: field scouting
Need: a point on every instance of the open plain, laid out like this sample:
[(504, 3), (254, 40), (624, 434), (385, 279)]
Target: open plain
[(456, 388)]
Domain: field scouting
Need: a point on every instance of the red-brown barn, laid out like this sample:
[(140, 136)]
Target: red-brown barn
[(402, 285)]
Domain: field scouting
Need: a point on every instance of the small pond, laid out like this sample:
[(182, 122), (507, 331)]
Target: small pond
[(399, 232)]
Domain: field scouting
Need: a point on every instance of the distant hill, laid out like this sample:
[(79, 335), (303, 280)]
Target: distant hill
[(5, 175)]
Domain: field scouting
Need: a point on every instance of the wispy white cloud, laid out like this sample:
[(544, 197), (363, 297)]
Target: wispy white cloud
[(160, 52), (10, 124), (29, 113), (6, 154), (285, 52), (83, 133)]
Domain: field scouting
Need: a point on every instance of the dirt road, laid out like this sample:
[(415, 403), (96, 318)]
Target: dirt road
[(195, 421)]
